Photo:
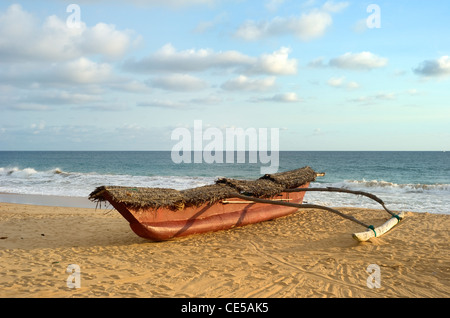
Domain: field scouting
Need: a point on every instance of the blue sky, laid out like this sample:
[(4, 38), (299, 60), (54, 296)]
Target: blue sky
[(130, 72)]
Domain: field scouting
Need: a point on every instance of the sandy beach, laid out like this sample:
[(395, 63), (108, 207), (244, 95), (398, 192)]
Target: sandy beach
[(308, 254)]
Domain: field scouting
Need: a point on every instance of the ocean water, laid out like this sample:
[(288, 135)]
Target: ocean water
[(405, 181)]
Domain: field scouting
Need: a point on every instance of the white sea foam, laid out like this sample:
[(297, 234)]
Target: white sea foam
[(433, 198), (385, 186)]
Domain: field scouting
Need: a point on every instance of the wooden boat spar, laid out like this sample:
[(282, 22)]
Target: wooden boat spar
[(161, 214)]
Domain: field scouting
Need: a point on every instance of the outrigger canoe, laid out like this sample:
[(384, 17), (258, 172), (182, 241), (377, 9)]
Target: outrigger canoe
[(160, 214)]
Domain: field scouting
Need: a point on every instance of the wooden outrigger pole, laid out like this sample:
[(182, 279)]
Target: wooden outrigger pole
[(362, 236)]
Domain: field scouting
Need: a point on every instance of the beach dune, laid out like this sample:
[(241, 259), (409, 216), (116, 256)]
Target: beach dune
[(308, 254)]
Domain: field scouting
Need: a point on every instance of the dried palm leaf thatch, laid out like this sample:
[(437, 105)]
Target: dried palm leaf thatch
[(139, 197), (260, 188), (292, 179), (207, 194), (163, 198)]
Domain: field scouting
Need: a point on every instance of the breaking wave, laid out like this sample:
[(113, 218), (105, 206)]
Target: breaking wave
[(433, 198), (27, 172), (385, 186)]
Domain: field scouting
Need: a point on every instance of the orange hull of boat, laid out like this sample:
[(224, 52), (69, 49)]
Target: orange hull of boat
[(165, 224)]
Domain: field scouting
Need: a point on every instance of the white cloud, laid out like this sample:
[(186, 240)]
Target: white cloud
[(208, 100), (57, 97), (434, 68), (373, 98), (105, 39), (386, 96), (168, 59), (359, 61), (286, 98), (277, 62), (243, 83), (162, 104), (29, 107), (179, 82), (331, 6), (307, 26), (131, 86), (336, 82), (84, 71), (352, 85), (190, 104), (78, 71), (312, 25), (290, 97), (54, 99), (52, 40), (340, 82), (110, 106), (37, 128)]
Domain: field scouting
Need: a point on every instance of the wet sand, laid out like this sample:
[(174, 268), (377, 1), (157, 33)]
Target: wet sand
[(308, 254)]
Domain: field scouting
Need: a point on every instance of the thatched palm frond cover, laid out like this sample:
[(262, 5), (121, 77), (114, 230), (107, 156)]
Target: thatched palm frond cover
[(292, 179), (207, 194), (266, 186), (138, 197), (258, 188)]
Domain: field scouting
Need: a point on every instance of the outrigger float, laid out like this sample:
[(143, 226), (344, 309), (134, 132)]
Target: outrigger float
[(162, 214)]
